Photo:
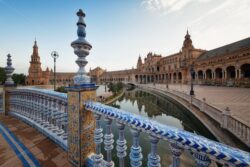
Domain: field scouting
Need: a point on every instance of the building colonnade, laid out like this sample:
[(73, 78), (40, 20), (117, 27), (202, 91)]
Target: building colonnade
[(230, 75)]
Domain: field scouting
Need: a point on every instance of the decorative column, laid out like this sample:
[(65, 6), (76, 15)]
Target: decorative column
[(225, 120), (108, 142), (9, 70), (201, 159), (176, 151), (81, 122), (121, 144), (153, 158), (135, 151), (8, 85), (225, 75), (98, 157), (240, 75)]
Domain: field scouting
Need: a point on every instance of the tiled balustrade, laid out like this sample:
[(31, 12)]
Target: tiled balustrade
[(203, 150), (47, 111), (42, 109)]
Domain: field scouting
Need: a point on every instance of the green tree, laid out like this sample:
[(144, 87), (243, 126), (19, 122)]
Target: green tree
[(2, 75), (115, 87), (19, 79)]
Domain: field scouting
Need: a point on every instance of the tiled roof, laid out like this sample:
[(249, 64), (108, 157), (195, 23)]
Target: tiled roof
[(230, 48)]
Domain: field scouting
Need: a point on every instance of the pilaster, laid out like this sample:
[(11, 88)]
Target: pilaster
[(81, 124)]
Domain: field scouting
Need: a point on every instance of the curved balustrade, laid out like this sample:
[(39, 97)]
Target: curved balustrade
[(43, 109), (1, 102), (202, 149), (47, 111), (237, 127)]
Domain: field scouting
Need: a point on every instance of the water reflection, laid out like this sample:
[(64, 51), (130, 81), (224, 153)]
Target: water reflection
[(163, 110)]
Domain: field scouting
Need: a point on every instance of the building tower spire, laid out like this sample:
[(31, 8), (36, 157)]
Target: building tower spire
[(81, 49), (35, 69), (187, 44)]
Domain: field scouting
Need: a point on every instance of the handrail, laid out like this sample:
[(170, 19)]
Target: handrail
[(215, 113), (59, 95), (44, 110), (186, 140), (47, 111), (1, 102)]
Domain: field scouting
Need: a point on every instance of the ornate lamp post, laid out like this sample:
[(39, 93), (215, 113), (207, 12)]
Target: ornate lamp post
[(54, 55), (192, 84), (167, 81)]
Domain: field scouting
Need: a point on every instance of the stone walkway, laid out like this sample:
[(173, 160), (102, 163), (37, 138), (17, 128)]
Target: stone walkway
[(44, 150), (237, 99)]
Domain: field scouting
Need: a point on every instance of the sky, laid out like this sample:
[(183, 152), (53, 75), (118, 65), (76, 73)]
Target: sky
[(119, 30)]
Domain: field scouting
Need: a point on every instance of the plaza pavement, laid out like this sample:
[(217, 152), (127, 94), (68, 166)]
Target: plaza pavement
[(43, 149), (237, 99)]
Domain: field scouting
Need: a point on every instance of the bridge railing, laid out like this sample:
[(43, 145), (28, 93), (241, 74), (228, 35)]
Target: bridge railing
[(202, 149), (47, 111), (42, 109), (1, 101), (236, 126)]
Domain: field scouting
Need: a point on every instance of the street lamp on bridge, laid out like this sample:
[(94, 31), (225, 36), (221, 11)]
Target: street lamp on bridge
[(167, 81), (192, 84), (54, 55)]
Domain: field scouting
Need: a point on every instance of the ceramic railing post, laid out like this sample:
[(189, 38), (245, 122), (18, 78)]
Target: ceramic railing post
[(176, 152), (153, 157), (135, 150), (121, 144), (8, 86), (98, 141), (81, 122), (201, 159), (108, 142)]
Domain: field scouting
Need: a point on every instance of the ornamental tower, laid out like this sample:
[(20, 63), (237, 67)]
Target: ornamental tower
[(187, 44), (139, 63), (35, 71)]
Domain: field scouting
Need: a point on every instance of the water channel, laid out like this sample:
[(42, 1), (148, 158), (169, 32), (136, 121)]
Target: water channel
[(163, 110)]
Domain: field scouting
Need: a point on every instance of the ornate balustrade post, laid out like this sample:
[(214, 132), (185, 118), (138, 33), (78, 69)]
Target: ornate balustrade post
[(53, 115), (108, 142), (201, 159), (176, 151), (153, 158), (135, 151), (81, 122), (225, 118), (121, 144), (98, 141), (8, 86)]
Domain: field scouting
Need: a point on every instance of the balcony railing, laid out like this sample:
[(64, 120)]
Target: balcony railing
[(237, 127), (1, 101), (44, 110), (203, 150), (47, 111)]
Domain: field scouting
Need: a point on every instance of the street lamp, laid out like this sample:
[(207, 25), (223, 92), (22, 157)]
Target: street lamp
[(192, 84), (167, 81), (54, 55)]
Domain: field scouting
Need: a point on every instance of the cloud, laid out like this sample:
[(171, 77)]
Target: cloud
[(227, 22), (168, 6)]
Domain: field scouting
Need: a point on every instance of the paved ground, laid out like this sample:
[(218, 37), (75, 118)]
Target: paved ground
[(237, 99), (42, 149)]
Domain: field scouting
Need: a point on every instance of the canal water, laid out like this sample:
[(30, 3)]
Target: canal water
[(160, 109)]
